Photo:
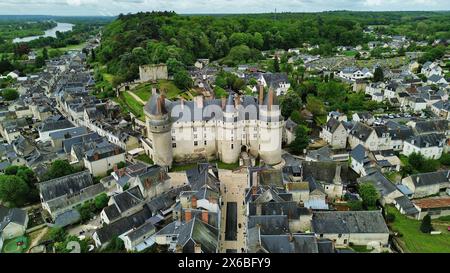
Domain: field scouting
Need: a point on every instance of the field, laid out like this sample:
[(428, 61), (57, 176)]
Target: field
[(128, 103), (414, 241)]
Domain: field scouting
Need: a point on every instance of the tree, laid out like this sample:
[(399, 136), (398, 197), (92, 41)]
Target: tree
[(378, 75), (57, 234), (355, 205), (276, 64), (369, 195), (182, 80), (13, 190), (426, 226), (39, 62), (59, 168), (289, 103), (390, 217), (45, 53), (101, 201), (301, 140), (10, 94)]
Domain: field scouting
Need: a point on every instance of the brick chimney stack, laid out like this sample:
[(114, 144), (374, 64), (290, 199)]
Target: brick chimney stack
[(224, 102), (187, 215), (194, 202), (270, 100), (261, 94), (205, 216)]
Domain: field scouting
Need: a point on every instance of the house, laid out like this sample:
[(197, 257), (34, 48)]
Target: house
[(140, 238), (51, 125), (435, 207), (437, 126), (414, 104), (364, 135), (441, 108), (58, 137), (122, 204), (426, 184), (335, 134), (326, 154), (387, 190), (286, 243), (353, 73), (351, 227), (364, 117), (289, 131), (430, 145), (360, 163), (405, 206), (13, 74), (102, 157), (62, 195), (431, 68), (13, 223), (278, 81)]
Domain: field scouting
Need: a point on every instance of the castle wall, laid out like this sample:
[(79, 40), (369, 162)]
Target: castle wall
[(153, 72)]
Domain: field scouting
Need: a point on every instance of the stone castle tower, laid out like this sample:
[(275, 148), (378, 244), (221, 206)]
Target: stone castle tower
[(159, 125)]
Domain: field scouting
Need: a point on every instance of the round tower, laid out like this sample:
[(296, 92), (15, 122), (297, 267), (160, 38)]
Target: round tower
[(270, 129), (229, 138), (159, 130)]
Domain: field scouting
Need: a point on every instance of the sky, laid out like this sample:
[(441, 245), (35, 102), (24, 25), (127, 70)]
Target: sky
[(115, 7)]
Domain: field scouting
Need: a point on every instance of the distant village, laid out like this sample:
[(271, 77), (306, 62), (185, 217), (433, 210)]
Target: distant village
[(209, 194)]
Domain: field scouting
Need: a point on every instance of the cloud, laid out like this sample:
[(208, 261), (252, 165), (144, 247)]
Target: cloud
[(101, 7)]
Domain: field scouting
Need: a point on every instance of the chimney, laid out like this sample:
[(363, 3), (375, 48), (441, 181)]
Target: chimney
[(158, 106), (96, 156), (197, 248), (261, 94), (237, 101), (337, 176), (187, 215), (194, 202), (163, 101), (258, 209), (205, 216), (199, 100), (224, 102), (116, 150), (254, 190), (270, 100)]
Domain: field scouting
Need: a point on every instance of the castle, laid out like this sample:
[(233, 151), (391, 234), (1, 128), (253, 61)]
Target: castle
[(187, 131)]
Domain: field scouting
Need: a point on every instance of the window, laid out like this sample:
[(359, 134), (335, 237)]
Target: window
[(206, 143), (339, 235), (195, 143), (232, 146), (174, 145)]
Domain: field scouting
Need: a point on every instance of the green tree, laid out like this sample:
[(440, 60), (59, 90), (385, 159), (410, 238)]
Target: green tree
[(378, 75), (101, 201), (59, 168), (13, 190), (45, 53), (10, 94), (39, 62), (289, 103), (276, 64), (426, 226), (57, 234), (369, 195), (355, 205), (301, 140), (182, 80)]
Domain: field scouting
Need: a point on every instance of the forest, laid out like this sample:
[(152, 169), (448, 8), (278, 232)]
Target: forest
[(155, 37)]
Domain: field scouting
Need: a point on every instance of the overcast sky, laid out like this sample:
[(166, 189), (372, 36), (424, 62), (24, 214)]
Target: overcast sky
[(115, 7)]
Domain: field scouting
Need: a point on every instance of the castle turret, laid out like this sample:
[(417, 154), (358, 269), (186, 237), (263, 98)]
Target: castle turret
[(270, 129), (229, 138), (159, 130)]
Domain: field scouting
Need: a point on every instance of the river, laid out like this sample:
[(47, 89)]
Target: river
[(61, 27)]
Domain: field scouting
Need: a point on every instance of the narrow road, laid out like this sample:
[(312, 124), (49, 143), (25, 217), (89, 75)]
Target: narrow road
[(36, 240)]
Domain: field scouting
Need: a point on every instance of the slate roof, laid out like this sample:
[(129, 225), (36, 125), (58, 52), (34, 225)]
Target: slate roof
[(358, 153), (69, 184), (431, 126), (128, 199), (432, 178), (270, 224), (332, 125), (406, 204), (361, 131), (288, 208), (297, 243), (348, 222), (69, 133), (380, 182), (200, 177), (429, 140), (14, 215), (119, 227), (52, 125), (146, 229), (197, 232)]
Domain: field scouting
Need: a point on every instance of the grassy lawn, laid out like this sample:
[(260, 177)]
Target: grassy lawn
[(221, 165), (144, 91), (361, 249), (133, 105), (350, 53), (12, 246), (145, 158), (414, 240)]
